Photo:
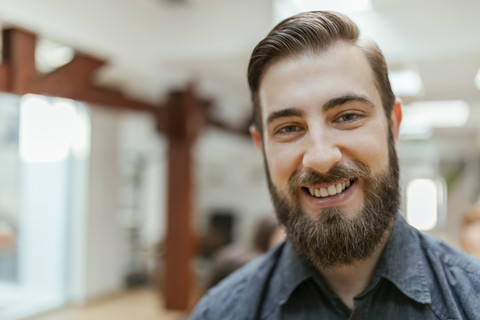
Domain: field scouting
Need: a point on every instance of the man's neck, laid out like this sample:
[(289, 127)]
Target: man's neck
[(347, 281)]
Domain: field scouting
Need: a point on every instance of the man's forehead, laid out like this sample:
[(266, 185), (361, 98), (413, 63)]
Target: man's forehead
[(337, 71), (334, 48)]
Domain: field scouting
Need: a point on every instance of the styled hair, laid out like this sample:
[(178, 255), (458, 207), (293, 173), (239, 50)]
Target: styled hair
[(314, 32)]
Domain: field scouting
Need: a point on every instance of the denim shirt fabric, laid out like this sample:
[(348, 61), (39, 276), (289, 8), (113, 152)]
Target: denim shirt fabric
[(417, 277)]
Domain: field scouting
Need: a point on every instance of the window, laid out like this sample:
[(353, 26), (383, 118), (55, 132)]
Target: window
[(43, 162)]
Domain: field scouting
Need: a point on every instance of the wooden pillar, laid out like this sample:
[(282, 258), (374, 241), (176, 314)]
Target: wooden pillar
[(182, 127), (18, 53)]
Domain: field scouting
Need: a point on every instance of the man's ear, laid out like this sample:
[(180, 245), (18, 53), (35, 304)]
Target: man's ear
[(256, 137), (396, 118)]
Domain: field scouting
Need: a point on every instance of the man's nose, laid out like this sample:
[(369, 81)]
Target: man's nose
[(321, 152)]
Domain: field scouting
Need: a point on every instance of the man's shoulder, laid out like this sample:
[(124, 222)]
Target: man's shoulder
[(455, 275), (235, 294), (449, 258)]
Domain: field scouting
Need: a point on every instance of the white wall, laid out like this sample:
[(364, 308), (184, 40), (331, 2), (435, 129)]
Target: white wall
[(230, 175), (117, 139), (105, 242)]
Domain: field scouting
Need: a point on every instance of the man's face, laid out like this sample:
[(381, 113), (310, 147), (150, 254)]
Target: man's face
[(331, 165)]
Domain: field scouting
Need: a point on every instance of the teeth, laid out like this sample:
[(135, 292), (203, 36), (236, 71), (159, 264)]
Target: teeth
[(330, 191), (323, 192), (340, 187)]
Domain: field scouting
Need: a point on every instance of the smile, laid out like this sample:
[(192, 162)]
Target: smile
[(331, 190)]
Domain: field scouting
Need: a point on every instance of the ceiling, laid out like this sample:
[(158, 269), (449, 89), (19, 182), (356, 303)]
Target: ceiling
[(153, 46)]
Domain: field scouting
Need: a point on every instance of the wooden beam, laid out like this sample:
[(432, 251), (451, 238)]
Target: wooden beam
[(74, 80), (69, 80)]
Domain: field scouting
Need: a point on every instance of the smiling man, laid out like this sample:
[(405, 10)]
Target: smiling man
[(327, 122)]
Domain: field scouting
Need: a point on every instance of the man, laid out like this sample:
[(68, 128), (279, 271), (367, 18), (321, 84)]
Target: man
[(327, 122)]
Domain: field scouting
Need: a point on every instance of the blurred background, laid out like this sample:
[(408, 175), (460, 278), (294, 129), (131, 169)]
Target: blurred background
[(125, 160)]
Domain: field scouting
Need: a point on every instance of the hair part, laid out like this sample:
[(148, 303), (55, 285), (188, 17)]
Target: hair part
[(313, 32)]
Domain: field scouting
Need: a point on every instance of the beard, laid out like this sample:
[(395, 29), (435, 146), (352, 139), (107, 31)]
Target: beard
[(331, 238)]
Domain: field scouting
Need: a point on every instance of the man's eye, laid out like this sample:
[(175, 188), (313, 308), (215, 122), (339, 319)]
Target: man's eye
[(288, 129), (348, 117)]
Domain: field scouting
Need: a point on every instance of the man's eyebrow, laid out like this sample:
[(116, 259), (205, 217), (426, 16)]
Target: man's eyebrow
[(337, 101), (284, 113), (334, 102)]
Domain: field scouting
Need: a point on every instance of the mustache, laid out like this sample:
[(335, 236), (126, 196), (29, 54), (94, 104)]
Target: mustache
[(339, 172)]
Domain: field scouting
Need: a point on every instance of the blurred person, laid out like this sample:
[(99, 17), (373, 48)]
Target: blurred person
[(227, 259), (8, 252), (327, 122), (470, 237), (268, 233), (7, 237)]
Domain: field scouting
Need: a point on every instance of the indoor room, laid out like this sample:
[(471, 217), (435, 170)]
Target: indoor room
[(127, 168)]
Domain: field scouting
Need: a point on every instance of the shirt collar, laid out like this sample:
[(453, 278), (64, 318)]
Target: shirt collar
[(401, 262), (294, 270)]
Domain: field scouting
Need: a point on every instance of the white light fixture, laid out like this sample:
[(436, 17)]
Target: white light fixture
[(422, 199), (419, 118), (405, 82), (50, 55), (437, 114)]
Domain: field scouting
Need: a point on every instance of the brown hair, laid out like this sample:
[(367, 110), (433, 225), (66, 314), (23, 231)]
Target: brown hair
[(313, 32)]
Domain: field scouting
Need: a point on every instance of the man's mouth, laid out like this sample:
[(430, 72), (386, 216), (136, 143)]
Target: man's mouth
[(331, 190)]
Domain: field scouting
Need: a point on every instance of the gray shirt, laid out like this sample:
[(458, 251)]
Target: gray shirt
[(417, 277)]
